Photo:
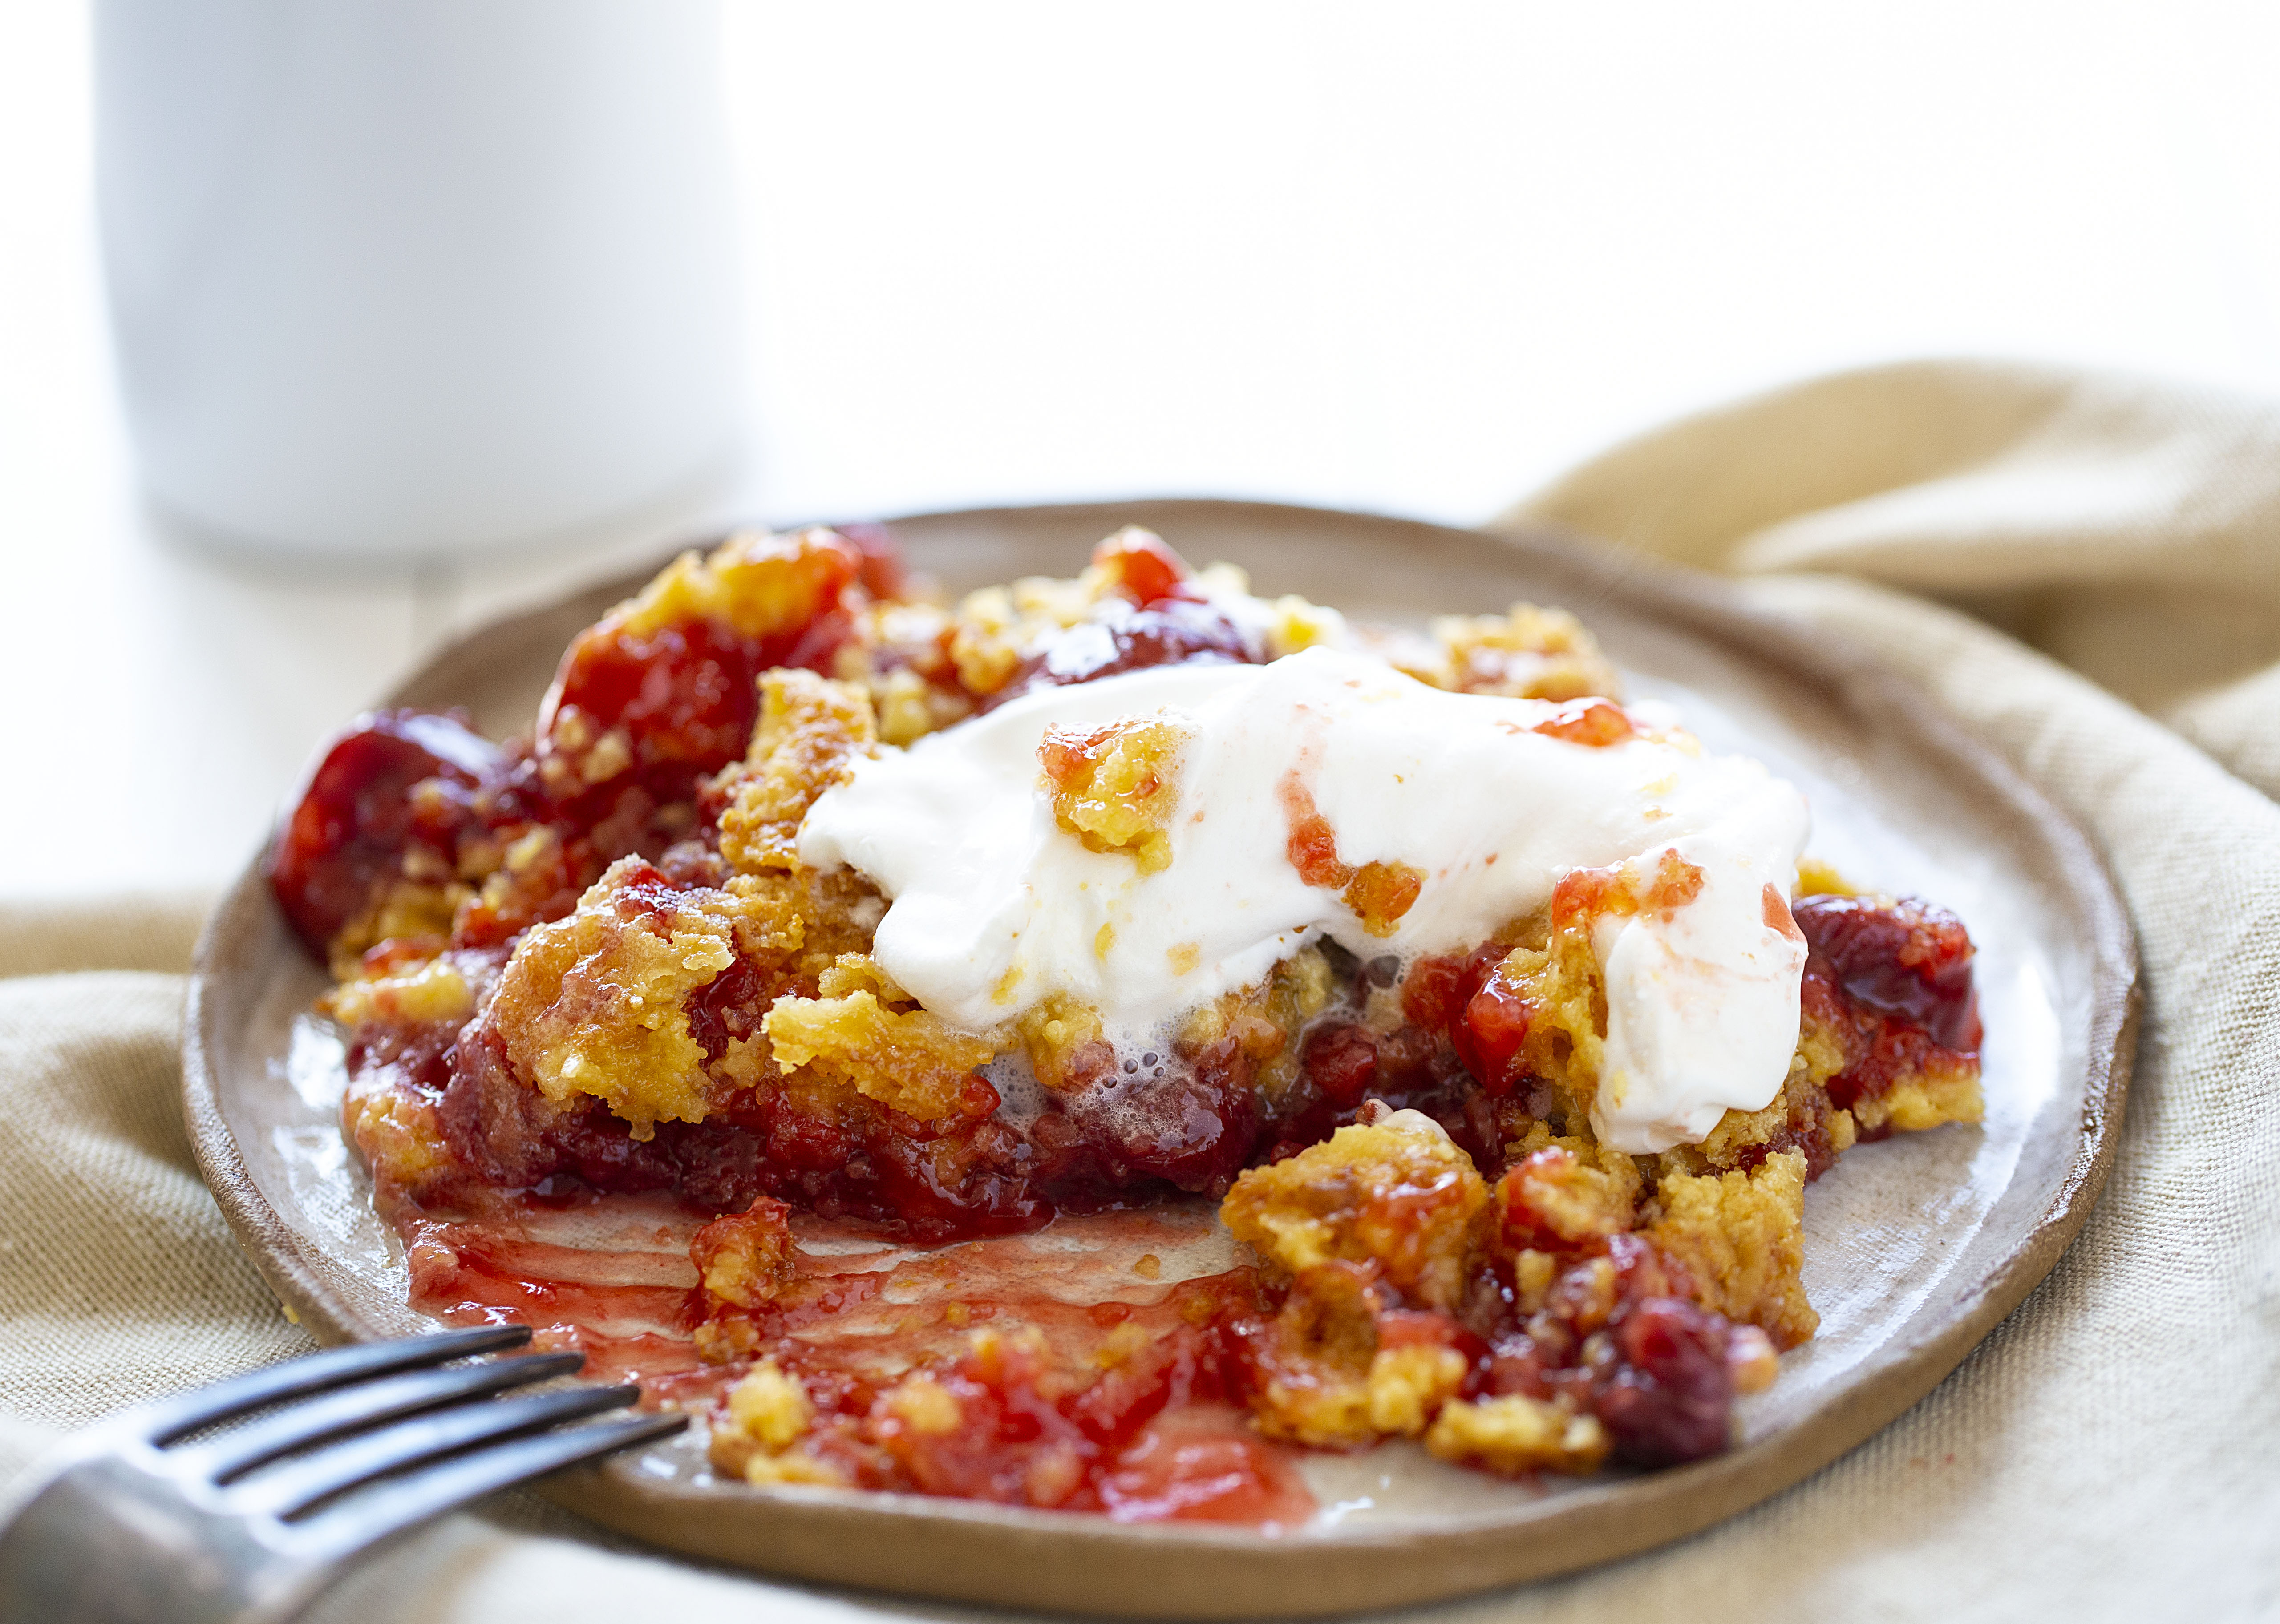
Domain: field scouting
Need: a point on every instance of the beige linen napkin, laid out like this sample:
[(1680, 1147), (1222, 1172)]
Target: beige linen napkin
[(2112, 1451)]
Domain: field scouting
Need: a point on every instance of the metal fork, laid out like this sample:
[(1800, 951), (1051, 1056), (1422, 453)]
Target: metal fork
[(132, 1525)]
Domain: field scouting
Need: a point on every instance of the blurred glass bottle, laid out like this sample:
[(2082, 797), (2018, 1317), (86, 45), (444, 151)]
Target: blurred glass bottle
[(398, 278)]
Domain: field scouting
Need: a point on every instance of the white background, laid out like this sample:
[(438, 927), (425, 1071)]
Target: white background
[(1412, 258)]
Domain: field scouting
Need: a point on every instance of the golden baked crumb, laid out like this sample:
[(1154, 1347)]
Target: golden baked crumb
[(1740, 1238), (409, 910), (771, 1407), (1528, 653), (1396, 1193), (1815, 878), (398, 1135), (1265, 1020), (1058, 1034), (436, 990), (1316, 1360), (757, 584), (1516, 1434), (1114, 788), (910, 1060), (1552, 1198), (767, 1417), (1408, 1385), (924, 1405), (1297, 624), (994, 628), (596, 1004), (810, 728), (1943, 1091), (744, 1259)]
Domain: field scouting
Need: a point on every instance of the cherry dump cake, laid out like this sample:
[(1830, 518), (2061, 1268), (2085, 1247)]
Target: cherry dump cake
[(891, 948)]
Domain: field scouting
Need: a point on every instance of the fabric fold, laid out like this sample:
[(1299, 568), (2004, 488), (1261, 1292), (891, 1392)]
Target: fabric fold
[(2127, 527), (128, 931)]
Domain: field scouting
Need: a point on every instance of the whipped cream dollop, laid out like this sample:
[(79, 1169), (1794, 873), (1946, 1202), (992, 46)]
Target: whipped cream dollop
[(994, 906)]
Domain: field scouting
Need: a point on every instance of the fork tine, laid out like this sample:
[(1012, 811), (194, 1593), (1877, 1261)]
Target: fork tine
[(355, 1408), (163, 1422), (297, 1485), (362, 1519)]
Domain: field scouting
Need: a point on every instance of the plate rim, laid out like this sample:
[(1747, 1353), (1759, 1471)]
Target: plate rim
[(1232, 1572)]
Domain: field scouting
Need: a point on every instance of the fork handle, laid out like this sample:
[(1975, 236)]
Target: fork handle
[(184, 1566)]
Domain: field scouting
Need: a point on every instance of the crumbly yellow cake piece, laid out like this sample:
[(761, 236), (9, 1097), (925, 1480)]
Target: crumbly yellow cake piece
[(745, 1258), (596, 1004), (411, 911), (768, 1415), (1516, 1434), (1740, 1238), (757, 583), (1527, 653), (1396, 1193), (904, 1056), (428, 991), (1381, 893), (1266, 1019), (397, 1134), (1324, 1342), (1114, 788), (810, 728), (1941, 1092)]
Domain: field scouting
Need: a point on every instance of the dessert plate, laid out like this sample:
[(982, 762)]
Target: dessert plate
[(1914, 1247)]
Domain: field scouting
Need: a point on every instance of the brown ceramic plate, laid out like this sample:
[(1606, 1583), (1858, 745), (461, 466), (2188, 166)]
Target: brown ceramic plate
[(1915, 1247)]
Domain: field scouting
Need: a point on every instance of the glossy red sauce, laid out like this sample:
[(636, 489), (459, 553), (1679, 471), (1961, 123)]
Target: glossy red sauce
[(1311, 845), (1153, 1436), (1908, 961), (1171, 631)]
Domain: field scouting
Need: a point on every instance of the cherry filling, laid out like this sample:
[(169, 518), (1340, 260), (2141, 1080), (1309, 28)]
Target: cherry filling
[(1668, 1396), (1168, 632), (1908, 959), (1190, 1123), (358, 820), (665, 707), (1163, 620), (632, 730), (1896, 979)]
